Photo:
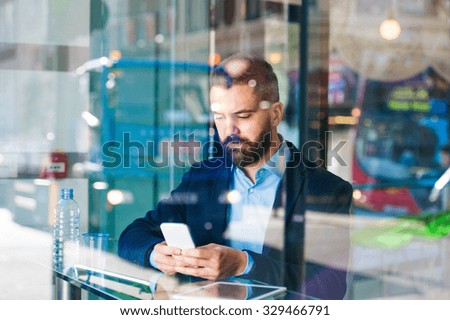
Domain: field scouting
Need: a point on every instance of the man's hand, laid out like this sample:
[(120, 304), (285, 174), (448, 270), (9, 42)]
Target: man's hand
[(211, 262), (164, 258)]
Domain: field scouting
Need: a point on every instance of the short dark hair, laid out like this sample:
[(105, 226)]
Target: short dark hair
[(258, 70)]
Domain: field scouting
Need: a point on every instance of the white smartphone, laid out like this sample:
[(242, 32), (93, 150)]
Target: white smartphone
[(177, 235)]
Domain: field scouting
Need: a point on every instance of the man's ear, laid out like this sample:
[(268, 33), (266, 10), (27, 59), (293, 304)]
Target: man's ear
[(277, 113)]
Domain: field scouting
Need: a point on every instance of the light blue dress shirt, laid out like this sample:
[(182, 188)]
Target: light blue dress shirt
[(248, 217)]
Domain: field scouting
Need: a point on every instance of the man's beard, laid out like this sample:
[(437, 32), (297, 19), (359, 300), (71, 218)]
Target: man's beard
[(249, 152)]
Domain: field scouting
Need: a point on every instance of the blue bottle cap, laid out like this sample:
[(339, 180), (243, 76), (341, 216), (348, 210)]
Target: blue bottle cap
[(66, 193)]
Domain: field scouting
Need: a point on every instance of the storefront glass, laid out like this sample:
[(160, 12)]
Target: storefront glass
[(119, 90)]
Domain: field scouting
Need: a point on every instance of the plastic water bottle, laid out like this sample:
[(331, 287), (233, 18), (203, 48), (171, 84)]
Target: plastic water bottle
[(66, 230)]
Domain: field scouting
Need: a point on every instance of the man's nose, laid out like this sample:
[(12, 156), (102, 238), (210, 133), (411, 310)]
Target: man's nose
[(231, 128)]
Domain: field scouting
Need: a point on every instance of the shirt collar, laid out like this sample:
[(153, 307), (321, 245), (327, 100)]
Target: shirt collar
[(277, 163)]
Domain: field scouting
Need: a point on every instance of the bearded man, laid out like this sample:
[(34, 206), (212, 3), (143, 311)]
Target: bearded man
[(240, 196)]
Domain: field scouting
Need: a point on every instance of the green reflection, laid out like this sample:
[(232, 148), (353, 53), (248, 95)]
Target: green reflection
[(397, 232)]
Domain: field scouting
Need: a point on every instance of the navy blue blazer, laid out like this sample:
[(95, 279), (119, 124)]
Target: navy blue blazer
[(199, 201)]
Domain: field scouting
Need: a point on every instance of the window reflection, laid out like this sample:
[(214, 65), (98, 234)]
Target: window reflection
[(387, 100)]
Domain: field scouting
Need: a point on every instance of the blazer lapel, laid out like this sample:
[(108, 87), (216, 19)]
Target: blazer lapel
[(219, 205), (293, 183)]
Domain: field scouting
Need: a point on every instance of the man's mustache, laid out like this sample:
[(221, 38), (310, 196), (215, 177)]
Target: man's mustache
[(232, 139), (236, 139)]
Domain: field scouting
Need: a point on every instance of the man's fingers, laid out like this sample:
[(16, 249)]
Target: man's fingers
[(183, 261), (168, 265), (204, 252), (173, 261), (207, 256), (166, 250), (163, 259), (194, 253)]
